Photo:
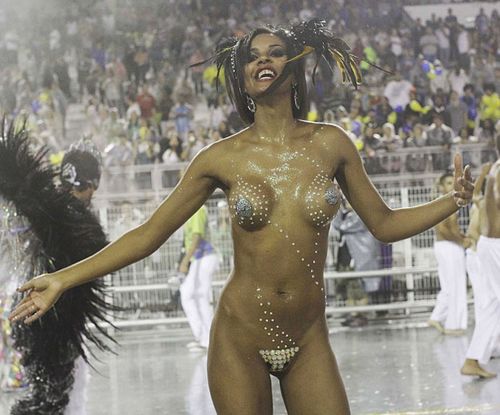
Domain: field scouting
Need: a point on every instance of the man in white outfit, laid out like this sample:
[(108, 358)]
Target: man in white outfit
[(200, 263), (486, 338), (450, 313)]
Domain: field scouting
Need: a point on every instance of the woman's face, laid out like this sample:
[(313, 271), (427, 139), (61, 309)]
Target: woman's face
[(266, 61)]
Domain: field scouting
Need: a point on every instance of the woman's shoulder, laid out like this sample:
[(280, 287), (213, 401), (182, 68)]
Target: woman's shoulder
[(225, 147), (324, 131)]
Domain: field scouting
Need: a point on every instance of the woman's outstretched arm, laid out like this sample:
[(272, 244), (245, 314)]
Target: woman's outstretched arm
[(386, 224), (197, 184)]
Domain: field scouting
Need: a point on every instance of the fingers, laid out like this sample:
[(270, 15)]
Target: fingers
[(466, 184), (25, 287), (23, 310), (468, 174), (34, 317), (457, 161)]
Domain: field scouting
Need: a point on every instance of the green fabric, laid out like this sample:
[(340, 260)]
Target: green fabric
[(196, 224)]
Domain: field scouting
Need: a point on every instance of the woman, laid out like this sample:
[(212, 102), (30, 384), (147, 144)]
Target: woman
[(278, 177)]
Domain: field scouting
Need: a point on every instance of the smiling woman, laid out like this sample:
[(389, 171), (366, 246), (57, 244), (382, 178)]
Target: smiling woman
[(278, 176)]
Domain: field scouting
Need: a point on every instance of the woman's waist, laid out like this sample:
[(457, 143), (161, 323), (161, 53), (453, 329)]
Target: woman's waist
[(294, 300)]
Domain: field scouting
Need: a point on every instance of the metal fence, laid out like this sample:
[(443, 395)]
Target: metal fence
[(410, 165), (147, 291)]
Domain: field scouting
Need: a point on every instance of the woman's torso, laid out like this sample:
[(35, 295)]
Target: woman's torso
[(281, 199)]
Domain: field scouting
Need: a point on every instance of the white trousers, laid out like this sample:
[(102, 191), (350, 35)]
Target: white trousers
[(77, 404), (485, 277), (195, 296), (451, 302)]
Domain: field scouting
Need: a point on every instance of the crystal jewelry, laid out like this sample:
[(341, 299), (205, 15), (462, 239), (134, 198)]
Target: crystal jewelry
[(250, 103)]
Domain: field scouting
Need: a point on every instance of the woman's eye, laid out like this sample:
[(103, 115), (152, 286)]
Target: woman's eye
[(278, 53), (252, 57)]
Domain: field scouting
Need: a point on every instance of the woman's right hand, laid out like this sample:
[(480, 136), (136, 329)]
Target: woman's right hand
[(42, 293)]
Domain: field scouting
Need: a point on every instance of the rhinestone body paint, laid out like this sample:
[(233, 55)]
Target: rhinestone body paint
[(252, 204)]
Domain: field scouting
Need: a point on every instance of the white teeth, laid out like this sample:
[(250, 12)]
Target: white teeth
[(266, 74)]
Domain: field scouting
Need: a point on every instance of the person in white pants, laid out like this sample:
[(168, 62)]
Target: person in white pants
[(485, 341), (200, 263), (450, 312)]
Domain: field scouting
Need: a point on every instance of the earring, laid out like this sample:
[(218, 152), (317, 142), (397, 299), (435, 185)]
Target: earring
[(250, 103), (295, 91)]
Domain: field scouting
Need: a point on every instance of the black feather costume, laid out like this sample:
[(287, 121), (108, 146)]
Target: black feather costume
[(67, 232)]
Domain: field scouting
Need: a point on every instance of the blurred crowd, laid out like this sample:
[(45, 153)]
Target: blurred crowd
[(125, 64)]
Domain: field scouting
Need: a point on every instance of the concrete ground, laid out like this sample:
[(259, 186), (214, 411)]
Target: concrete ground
[(386, 370)]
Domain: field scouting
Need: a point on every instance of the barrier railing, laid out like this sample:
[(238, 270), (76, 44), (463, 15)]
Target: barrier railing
[(175, 317), (154, 181), (146, 298)]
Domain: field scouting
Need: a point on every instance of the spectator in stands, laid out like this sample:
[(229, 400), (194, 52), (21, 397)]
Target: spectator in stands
[(463, 137), (371, 144), (391, 143), (458, 79), (441, 135), (429, 44), (397, 92), (417, 31), (439, 108), (463, 48), (418, 137), (440, 81), (469, 98), (490, 104), (173, 150), (197, 71), (416, 162), (443, 36), (457, 111), (482, 24), (194, 144), (132, 107), (147, 102), (112, 89), (182, 113)]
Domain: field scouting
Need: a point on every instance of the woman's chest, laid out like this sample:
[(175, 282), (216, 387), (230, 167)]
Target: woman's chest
[(293, 186)]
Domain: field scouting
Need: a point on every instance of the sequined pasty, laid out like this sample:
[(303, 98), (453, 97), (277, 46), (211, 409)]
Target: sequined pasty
[(243, 208), (277, 359), (250, 203), (331, 196), (319, 212)]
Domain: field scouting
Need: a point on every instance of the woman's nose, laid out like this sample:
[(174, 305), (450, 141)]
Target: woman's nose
[(263, 59)]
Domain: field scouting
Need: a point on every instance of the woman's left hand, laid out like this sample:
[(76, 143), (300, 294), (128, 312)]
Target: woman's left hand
[(463, 187)]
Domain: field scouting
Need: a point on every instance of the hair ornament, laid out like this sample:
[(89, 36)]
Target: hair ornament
[(315, 37), (86, 145)]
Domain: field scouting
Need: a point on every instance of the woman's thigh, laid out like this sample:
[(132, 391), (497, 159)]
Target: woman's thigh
[(239, 382), (313, 385)]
